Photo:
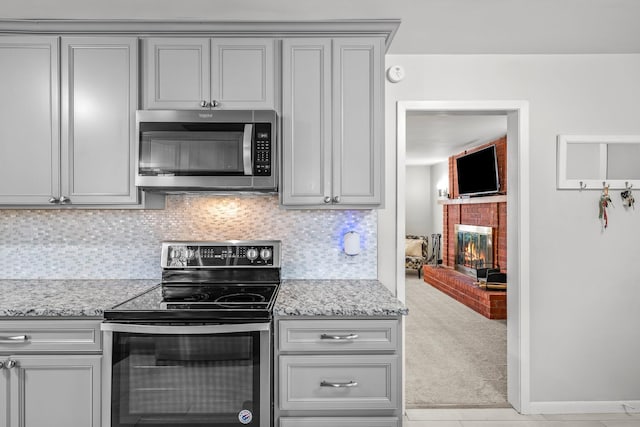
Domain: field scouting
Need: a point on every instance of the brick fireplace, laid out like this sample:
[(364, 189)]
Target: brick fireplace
[(473, 249), (487, 212), (480, 211)]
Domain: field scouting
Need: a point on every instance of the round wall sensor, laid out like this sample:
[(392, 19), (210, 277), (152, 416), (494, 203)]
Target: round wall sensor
[(395, 73)]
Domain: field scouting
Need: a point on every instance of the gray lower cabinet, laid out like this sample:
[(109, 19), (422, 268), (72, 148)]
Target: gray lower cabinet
[(339, 422), (338, 371), (50, 373), (330, 382), (332, 122)]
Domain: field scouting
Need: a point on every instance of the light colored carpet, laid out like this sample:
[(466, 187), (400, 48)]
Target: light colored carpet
[(454, 356)]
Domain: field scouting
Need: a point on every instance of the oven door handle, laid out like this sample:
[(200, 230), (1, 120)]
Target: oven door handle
[(246, 149), (184, 329)]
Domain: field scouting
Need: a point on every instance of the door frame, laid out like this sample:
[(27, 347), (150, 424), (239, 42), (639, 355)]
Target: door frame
[(518, 227)]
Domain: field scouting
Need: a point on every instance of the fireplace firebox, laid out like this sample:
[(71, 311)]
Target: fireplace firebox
[(473, 248)]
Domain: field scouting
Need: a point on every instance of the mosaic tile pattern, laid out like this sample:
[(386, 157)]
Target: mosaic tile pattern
[(125, 244)]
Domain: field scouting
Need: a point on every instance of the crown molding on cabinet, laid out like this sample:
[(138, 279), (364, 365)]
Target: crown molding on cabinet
[(143, 27)]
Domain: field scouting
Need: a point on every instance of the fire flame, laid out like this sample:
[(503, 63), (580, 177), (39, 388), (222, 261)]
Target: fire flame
[(473, 256)]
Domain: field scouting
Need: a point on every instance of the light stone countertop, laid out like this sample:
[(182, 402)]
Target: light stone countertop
[(66, 298), (89, 298), (336, 298)]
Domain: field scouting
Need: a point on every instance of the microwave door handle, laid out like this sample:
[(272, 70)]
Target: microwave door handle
[(246, 149)]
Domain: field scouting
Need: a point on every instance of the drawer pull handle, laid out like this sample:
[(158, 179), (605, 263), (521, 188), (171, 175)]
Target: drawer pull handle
[(339, 385), (339, 337), (18, 339)]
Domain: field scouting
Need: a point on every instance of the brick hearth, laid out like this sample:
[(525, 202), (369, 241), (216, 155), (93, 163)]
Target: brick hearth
[(491, 304)]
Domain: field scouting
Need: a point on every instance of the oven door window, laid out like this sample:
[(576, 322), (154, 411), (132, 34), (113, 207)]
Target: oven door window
[(181, 150), (186, 380)]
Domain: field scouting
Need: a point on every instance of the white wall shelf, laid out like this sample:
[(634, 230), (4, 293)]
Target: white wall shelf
[(592, 162), (474, 200)]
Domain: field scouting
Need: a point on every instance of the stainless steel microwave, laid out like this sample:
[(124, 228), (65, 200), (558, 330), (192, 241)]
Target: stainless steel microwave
[(206, 150)]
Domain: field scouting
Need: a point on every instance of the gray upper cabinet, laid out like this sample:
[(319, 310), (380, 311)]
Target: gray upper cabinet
[(306, 121), (67, 138), (193, 73), (29, 120), (99, 100), (333, 122)]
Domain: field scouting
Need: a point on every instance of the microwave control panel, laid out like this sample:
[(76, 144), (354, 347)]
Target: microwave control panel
[(262, 156)]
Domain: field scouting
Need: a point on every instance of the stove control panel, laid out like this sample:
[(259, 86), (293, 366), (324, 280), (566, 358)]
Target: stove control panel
[(245, 253)]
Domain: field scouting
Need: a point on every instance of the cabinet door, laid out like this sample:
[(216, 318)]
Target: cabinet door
[(55, 391), (339, 382), (306, 122), (242, 73), (176, 72), (29, 120), (4, 395), (358, 120), (99, 100), (338, 336), (339, 422)]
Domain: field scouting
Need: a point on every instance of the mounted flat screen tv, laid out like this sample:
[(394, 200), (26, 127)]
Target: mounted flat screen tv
[(478, 172)]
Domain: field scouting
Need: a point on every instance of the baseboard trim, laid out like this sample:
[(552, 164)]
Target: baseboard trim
[(585, 407)]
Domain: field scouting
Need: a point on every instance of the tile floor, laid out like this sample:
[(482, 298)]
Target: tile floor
[(504, 417)]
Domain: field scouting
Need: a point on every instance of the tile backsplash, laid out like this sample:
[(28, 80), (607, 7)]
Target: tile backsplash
[(125, 244)]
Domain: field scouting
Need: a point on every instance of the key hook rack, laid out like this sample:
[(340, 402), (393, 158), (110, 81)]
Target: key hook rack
[(592, 162)]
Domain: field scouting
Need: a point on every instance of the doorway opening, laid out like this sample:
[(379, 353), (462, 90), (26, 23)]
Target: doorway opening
[(514, 332)]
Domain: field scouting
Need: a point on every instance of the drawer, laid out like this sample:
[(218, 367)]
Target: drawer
[(339, 422), (339, 382), (23, 336), (338, 335)]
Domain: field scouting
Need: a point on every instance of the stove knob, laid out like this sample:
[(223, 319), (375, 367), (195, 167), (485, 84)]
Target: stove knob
[(265, 254), (252, 254)]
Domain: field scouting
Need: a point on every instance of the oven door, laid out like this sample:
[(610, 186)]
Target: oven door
[(193, 375)]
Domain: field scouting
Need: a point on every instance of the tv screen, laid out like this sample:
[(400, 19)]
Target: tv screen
[(478, 172)]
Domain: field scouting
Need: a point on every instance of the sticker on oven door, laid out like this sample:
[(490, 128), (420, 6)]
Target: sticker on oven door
[(245, 416)]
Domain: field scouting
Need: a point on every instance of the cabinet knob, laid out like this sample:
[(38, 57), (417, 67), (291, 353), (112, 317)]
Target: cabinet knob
[(64, 199), (204, 104), (214, 104), (1, 364), (10, 364), (327, 199), (54, 200), (336, 199)]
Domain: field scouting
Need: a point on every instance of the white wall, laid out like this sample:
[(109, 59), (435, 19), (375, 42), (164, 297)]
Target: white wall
[(439, 177), (419, 197), (584, 287)]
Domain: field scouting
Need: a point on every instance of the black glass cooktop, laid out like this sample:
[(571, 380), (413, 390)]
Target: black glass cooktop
[(216, 296), (201, 303)]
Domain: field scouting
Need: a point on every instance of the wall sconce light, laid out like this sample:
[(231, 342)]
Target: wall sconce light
[(351, 243)]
